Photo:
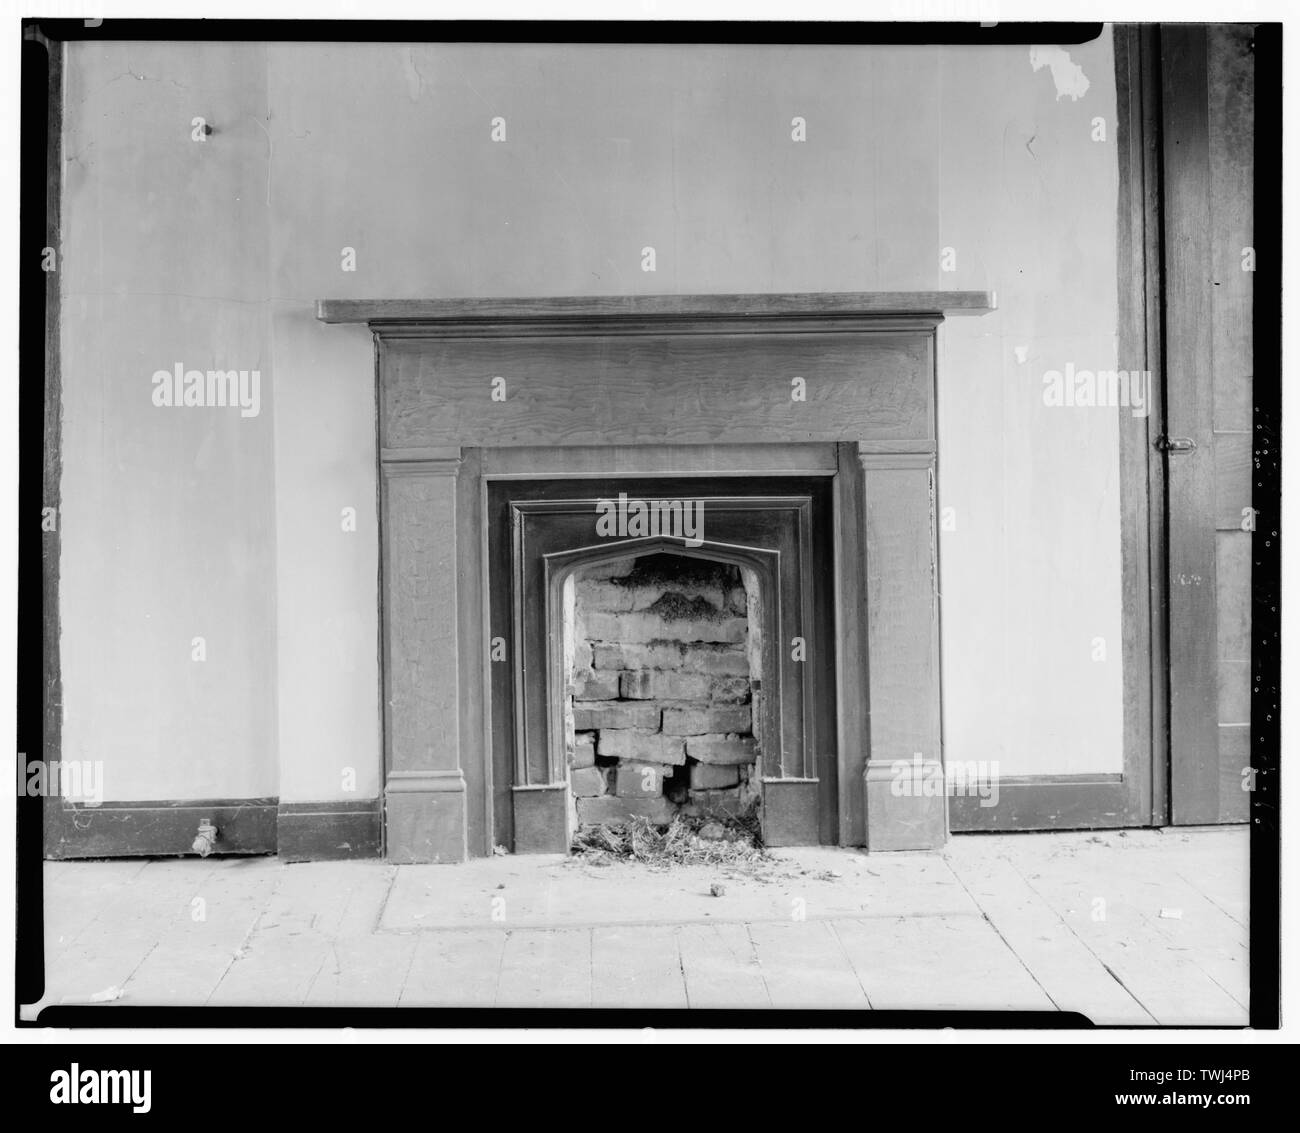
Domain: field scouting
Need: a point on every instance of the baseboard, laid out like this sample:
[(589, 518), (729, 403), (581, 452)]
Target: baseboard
[(1049, 802), (158, 828), (297, 832), (330, 831)]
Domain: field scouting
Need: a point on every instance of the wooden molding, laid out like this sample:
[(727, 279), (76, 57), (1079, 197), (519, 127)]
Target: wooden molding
[(896, 461), (657, 314), (296, 831), (908, 821), (330, 831), (601, 462), (162, 828), (426, 780), (440, 459)]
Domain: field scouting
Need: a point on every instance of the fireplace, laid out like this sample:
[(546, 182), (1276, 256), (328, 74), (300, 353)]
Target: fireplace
[(568, 640)]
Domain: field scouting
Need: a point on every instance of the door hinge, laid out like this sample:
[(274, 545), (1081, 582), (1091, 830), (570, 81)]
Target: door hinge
[(1175, 444)]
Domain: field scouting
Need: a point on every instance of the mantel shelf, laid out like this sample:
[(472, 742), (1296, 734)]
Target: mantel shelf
[(803, 311)]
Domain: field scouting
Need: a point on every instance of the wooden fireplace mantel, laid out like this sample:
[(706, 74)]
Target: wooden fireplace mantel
[(765, 313), (477, 392)]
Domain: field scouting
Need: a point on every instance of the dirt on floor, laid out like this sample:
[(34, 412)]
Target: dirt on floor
[(732, 845)]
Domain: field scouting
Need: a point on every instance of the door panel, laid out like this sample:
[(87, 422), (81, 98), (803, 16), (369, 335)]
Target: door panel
[(1208, 88)]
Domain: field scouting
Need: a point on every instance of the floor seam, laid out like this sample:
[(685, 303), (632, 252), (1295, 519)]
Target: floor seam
[(1192, 959), (1005, 943), (248, 936), (758, 963), (406, 975), (681, 966), (1191, 884), (835, 932), (1091, 952), (580, 926)]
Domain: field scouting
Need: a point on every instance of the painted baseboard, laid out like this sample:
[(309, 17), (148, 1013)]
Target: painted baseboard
[(1050, 802), (300, 831), (159, 828), (326, 831)]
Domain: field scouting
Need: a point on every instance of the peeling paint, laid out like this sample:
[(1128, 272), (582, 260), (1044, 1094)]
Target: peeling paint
[(1066, 74)]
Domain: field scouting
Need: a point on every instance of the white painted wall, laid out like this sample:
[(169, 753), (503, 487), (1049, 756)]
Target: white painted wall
[(184, 523)]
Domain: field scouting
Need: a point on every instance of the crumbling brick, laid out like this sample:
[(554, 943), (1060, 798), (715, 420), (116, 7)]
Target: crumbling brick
[(595, 686), (711, 776), (705, 721), (646, 625), (636, 779), (717, 659), (593, 714), (712, 802), (613, 811), (584, 749), (587, 781), (722, 749), (654, 684), (626, 743)]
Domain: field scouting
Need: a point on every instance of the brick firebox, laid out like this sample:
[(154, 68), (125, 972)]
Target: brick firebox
[(665, 680)]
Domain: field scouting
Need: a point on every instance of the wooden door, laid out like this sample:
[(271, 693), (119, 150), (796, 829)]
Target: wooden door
[(1207, 80)]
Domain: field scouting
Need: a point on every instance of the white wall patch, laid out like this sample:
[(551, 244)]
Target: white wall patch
[(1067, 75)]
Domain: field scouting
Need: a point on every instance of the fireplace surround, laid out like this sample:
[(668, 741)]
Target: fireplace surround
[(777, 530), (806, 424)]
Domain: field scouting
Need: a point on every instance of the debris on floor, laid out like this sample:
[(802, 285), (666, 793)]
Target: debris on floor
[(715, 840)]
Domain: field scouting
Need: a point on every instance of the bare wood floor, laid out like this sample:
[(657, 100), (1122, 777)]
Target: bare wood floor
[(1136, 927)]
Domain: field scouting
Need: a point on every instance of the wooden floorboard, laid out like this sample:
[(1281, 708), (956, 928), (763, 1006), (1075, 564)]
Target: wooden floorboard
[(938, 963), (196, 949), (804, 966), (721, 967), (1068, 972), (1117, 926), (636, 967), (546, 969), (365, 972), (460, 969), (1126, 928)]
